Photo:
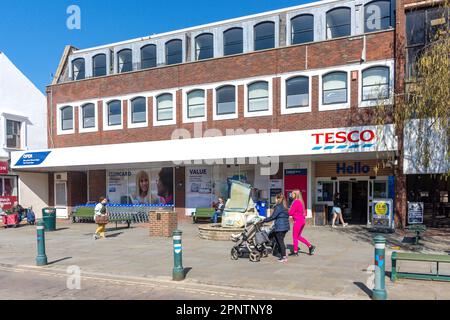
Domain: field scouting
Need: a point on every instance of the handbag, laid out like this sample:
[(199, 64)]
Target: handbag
[(103, 219)]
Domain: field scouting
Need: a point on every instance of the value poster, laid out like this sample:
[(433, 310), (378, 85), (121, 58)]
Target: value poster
[(199, 188)]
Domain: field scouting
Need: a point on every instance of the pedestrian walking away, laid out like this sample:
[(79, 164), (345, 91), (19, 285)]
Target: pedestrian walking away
[(101, 218), (337, 210), (281, 225), (298, 213)]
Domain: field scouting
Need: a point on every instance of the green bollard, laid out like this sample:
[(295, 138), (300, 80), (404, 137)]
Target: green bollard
[(178, 270), (379, 292), (41, 259)]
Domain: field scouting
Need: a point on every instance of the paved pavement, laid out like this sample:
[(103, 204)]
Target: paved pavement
[(339, 270)]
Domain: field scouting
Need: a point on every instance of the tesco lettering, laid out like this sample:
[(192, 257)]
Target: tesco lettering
[(342, 137)]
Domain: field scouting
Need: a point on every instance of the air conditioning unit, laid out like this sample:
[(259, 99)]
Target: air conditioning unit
[(61, 176)]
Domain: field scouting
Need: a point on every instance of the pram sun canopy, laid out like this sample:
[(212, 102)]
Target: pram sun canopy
[(240, 207)]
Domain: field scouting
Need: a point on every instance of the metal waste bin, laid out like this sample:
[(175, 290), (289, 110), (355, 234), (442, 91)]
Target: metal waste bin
[(49, 217)]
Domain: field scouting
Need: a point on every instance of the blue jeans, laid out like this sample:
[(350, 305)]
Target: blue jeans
[(216, 215)]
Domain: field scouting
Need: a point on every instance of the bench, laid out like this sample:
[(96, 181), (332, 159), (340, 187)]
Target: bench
[(86, 215), (203, 214), (421, 257), (419, 230)]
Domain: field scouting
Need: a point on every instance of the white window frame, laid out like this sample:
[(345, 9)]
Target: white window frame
[(159, 123), (235, 115), (130, 123), (23, 130), (269, 111), (336, 106), (186, 119), (106, 126), (59, 130), (373, 103), (284, 108), (80, 116)]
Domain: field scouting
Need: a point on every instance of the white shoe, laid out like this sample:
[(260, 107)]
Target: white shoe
[(96, 237), (344, 225), (333, 226)]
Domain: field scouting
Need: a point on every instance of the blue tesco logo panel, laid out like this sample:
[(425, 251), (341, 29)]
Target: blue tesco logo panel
[(32, 158)]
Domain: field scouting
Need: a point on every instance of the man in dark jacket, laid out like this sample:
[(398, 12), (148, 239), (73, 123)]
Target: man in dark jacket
[(281, 225)]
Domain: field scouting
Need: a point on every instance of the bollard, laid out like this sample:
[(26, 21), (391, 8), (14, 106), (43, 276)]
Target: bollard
[(41, 259), (379, 292), (178, 270)]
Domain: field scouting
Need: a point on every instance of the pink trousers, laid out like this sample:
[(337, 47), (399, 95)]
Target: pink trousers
[(297, 234)]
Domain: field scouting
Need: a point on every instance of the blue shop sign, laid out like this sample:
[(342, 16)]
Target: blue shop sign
[(32, 159)]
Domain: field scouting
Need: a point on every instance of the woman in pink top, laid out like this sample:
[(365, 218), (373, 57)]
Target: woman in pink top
[(298, 213)]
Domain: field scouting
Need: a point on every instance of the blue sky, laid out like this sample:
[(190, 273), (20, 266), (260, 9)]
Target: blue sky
[(33, 33)]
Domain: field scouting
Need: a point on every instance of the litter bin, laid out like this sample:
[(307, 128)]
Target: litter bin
[(49, 217), (261, 206)]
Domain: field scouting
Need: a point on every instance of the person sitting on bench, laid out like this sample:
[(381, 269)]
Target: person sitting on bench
[(219, 210)]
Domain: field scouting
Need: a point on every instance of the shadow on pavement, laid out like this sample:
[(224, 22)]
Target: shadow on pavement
[(59, 260), (364, 288), (186, 270), (61, 229), (113, 235)]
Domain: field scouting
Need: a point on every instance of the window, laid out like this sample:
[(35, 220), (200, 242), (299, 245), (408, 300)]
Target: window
[(264, 35), (196, 104), (114, 113), (422, 26), (174, 52), (334, 88), (13, 138), (297, 92), (125, 60), (233, 42), (8, 186), (325, 191), (164, 107), (88, 114), (377, 16), (375, 83), (302, 29), (67, 118), (148, 56), (78, 69), (138, 110), (258, 96), (99, 65), (226, 100), (204, 46), (338, 23)]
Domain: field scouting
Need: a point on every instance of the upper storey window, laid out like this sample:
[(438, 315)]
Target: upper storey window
[(264, 34), (125, 60), (174, 52), (375, 83), (233, 41), (338, 23), (138, 110), (297, 92), (226, 100), (88, 114), (78, 70), (377, 16), (258, 96), (302, 29), (148, 56), (204, 46), (67, 118), (334, 88), (114, 113), (164, 107), (99, 65)]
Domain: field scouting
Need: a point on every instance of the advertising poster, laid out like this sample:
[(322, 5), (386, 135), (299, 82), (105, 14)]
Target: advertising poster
[(415, 212), (146, 186), (199, 189), (7, 201), (276, 187), (296, 179), (382, 213)]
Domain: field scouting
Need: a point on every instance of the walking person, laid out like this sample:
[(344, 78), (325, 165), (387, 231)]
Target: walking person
[(337, 210), (281, 225), (101, 218), (298, 213)]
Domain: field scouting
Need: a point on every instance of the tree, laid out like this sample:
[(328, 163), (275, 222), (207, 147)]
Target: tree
[(421, 112)]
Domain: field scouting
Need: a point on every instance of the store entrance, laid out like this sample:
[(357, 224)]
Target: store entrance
[(354, 195)]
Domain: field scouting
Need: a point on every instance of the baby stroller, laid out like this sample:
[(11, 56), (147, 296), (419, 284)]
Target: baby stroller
[(254, 241)]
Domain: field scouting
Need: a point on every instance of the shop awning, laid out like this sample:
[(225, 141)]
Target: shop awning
[(211, 150)]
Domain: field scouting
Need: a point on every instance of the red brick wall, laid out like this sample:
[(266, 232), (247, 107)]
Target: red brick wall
[(271, 62), (165, 226), (97, 184)]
